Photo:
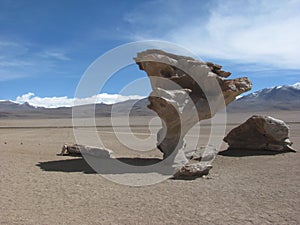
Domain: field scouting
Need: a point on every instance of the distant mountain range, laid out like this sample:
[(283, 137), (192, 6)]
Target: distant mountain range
[(285, 97), (9, 109)]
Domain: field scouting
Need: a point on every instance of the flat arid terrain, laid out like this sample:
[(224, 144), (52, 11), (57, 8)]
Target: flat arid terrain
[(39, 187)]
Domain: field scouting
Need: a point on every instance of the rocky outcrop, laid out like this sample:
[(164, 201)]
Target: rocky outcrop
[(260, 133), (185, 91)]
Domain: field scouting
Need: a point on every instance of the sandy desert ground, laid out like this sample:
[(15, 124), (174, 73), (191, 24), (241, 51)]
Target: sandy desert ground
[(39, 187)]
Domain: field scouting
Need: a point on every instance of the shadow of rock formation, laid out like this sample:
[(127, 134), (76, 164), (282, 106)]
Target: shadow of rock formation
[(80, 165), (247, 152)]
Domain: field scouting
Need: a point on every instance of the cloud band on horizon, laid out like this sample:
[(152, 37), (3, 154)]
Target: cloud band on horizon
[(56, 102)]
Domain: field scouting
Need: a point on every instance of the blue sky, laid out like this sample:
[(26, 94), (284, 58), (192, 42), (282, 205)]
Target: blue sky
[(45, 46)]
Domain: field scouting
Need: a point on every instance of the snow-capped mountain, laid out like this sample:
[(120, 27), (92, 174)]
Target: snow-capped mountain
[(286, 97)]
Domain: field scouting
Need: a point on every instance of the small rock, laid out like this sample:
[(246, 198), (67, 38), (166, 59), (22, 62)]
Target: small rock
[(205, 153), (192, 170), (78, 150)]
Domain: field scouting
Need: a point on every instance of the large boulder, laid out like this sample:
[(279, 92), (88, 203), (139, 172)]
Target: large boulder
[(260, 133), (185, 91)]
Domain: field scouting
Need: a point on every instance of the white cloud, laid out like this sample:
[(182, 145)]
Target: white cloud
[(55, 102), (6, 75), (11, 49), (250, 31), (15, 63), (11, 62), (55, 54), (24, 98), (19, 60)]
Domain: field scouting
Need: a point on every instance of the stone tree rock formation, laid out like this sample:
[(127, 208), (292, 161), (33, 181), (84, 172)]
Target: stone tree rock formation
[(260, 133), (185, 91)]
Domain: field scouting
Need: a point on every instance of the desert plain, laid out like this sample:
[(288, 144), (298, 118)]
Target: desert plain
[(39, 187)]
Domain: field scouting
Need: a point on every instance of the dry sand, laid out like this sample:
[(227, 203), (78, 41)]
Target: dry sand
[(38, 187)]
